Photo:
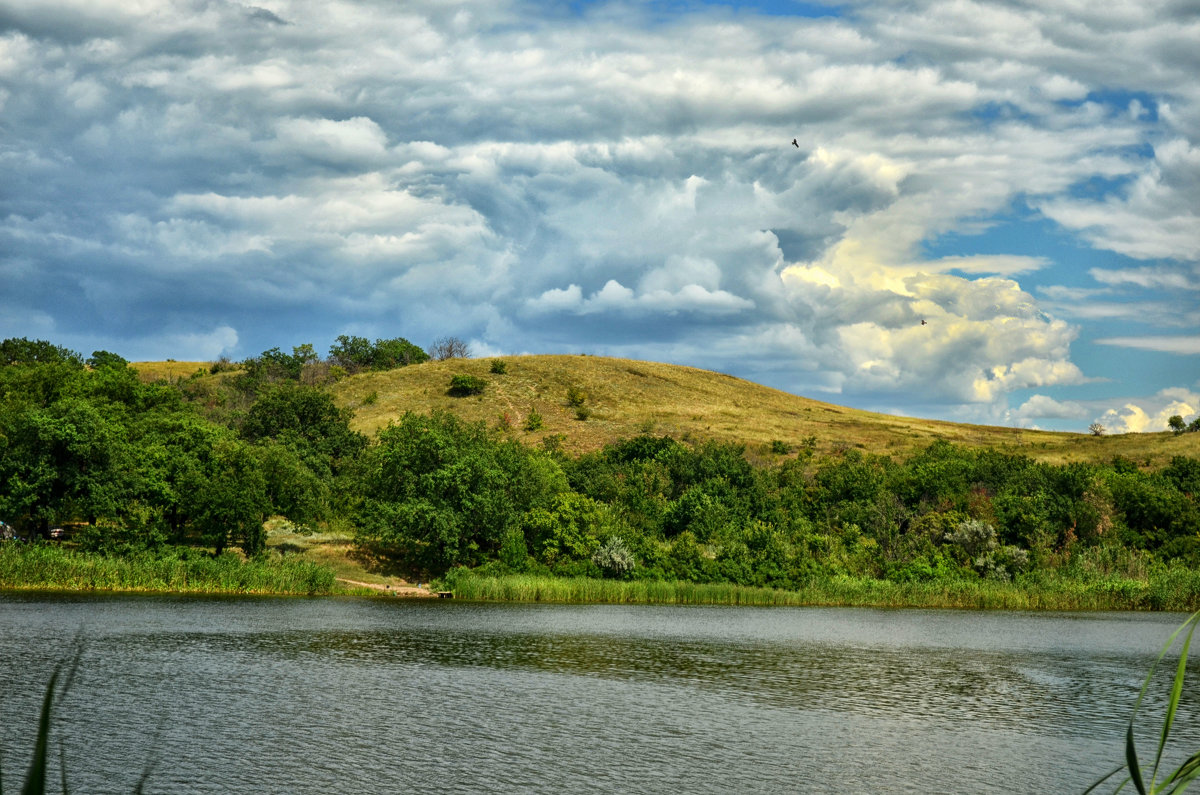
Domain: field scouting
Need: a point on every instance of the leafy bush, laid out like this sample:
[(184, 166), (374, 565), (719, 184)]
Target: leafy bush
[(533, 421), (514, 553), (101, 359), (977, 541), (462, 385), (614, 558), (222, 365), (499, 367), (274, 364)]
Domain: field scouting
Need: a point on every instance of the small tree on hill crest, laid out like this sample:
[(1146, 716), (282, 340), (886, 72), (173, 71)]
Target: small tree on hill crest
[(449, 348)]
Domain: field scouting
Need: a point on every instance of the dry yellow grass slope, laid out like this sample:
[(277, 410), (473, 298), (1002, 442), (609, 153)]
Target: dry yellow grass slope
[(625, 397)]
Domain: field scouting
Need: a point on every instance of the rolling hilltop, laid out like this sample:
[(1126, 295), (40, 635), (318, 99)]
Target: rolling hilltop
[(623, 398)]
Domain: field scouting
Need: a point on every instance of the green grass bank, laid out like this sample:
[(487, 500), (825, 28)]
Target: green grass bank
[(49, 567), (1169, 590)]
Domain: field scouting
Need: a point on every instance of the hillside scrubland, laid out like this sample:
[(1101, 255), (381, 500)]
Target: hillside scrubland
[(384, 465)]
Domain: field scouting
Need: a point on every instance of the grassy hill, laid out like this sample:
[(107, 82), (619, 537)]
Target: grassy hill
[(623, 398)]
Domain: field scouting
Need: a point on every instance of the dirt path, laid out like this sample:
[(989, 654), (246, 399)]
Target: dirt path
[(405, 590)]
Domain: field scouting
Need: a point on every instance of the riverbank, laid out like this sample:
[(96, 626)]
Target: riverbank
[(404, 590), (1169, 590), (51, 567)]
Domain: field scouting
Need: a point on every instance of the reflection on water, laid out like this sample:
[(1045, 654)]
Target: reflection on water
[(294, 695)]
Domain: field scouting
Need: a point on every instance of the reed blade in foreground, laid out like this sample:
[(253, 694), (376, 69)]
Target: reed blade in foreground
[(1177, 780)]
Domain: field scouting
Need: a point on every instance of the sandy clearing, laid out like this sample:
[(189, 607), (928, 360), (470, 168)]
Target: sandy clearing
[(405, 590)]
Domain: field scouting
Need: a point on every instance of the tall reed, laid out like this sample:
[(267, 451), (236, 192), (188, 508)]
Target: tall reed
[(1174, 781), (39, 763), (35, 777), (49, 566), (1171, 590)]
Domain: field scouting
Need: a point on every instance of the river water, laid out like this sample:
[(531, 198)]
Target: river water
[(289, 695)]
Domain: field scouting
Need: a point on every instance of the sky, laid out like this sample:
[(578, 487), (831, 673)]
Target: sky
[(991, 212)]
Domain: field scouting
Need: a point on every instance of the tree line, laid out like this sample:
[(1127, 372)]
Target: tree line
[(204, 462)]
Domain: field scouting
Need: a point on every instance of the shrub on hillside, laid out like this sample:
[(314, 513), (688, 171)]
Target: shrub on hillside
[(358, 353), (462, 385)]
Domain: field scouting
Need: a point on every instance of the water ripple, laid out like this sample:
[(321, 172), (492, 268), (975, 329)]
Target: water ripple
[(351, 696)]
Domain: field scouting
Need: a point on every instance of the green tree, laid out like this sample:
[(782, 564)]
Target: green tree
[(174, 456), (568, 529), (61, 462), (436, 492), (358, 353), (398, 352), (19, 350), (305, 418), (293, 489), (103, 359), (353, 353), (227, 501)]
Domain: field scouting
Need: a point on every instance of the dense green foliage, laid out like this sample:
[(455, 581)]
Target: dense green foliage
[(653, 508), (438, 493), (144, 467), (148, 467), (359, 353)]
